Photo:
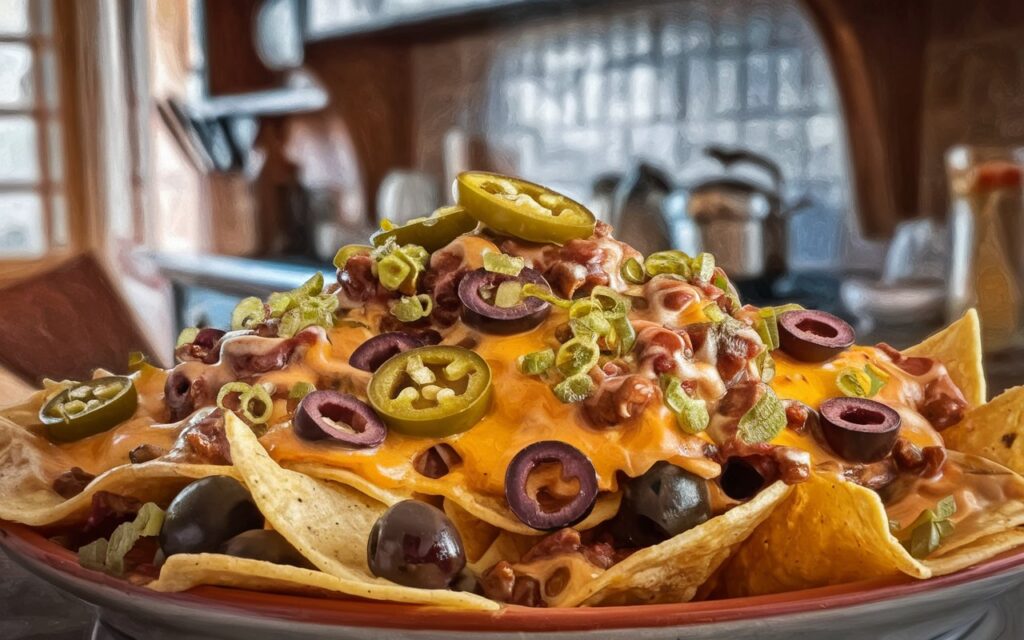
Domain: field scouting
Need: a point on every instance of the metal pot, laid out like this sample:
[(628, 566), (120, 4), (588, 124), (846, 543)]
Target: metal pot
[(741, 219)]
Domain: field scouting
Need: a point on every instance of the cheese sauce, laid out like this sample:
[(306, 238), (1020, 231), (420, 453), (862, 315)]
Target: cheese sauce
[(524, 411)]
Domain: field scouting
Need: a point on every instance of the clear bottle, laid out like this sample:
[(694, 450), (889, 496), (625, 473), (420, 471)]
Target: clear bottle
[(987, 240)]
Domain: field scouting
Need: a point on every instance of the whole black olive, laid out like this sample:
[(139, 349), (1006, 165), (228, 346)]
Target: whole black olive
[(416, 545), (266, 545), (740, 480), (207, 513), (660, 504)]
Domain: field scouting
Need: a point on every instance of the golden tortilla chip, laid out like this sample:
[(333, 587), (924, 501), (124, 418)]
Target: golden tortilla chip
[(477, 536), (185, 571), (832, 531), (491, 510), (994, 430), (673, 570), (329, 524), (958, 346), (26, 473)]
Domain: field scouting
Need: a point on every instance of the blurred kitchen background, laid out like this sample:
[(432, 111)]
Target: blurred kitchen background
[(160, 159)]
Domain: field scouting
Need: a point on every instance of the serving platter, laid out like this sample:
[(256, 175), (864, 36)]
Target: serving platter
[(979, 603)]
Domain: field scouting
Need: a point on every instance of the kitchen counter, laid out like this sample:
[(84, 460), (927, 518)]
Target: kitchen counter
[(241, 276)]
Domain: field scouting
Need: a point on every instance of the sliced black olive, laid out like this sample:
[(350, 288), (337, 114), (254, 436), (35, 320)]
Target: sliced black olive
[(379, 349), (207, 513), (339, 416), (858, 429), (178, 395), (416, 545), (266, 545), (541, 505), (477, 292), (740, 480), (660, 504), (813, 336)]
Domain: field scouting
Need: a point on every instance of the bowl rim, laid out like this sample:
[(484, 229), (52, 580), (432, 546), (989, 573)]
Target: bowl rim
[(23, 541)]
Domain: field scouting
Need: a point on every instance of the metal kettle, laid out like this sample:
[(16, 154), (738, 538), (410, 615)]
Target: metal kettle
[(741, 219)]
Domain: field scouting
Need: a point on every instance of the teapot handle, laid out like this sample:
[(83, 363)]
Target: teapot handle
[(728, 157)]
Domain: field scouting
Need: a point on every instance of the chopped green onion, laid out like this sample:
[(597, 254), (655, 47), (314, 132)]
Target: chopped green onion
[(247, 313), (703, 267), (104, 555), (577, 356), (610, 301), (312, 287), (537, 362), (392, 271), (532, 290), (722, 282), (632, 271), (508, 294), (691, 413), (314, 311), (186, 336), (279, 303), (622, 336), (768, 328), (412, 308), (503, 263), (926, 533), (861, 383), (574, 388), (766, 365), (765, 420), (300, 390), (246, 395), (668, 262), (714, 313), (348, 251)]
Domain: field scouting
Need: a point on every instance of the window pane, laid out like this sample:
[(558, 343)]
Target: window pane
[(55, 146), (58, 221), (15, 75), (21, 226), (13, 17), (18, 159)]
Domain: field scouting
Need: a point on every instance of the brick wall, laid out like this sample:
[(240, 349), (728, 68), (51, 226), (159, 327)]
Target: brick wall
[(565, 100)]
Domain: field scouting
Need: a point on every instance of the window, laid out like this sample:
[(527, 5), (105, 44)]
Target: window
[(33, 220)]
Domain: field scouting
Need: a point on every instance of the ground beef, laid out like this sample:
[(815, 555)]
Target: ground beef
[(71, 483)]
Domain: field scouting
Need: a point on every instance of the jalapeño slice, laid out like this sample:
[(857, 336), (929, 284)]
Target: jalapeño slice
[(434, 391), (431, 233), (523, 209), (88, 408)]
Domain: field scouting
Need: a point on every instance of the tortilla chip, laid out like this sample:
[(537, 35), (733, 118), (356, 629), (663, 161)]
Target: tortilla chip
[(26, 494), (185, 571), (488, 509), (832, 531), (978, 551), (829, 531), (673, 570), (329, 524), (958, 346), (994, 430), (477, 535)]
